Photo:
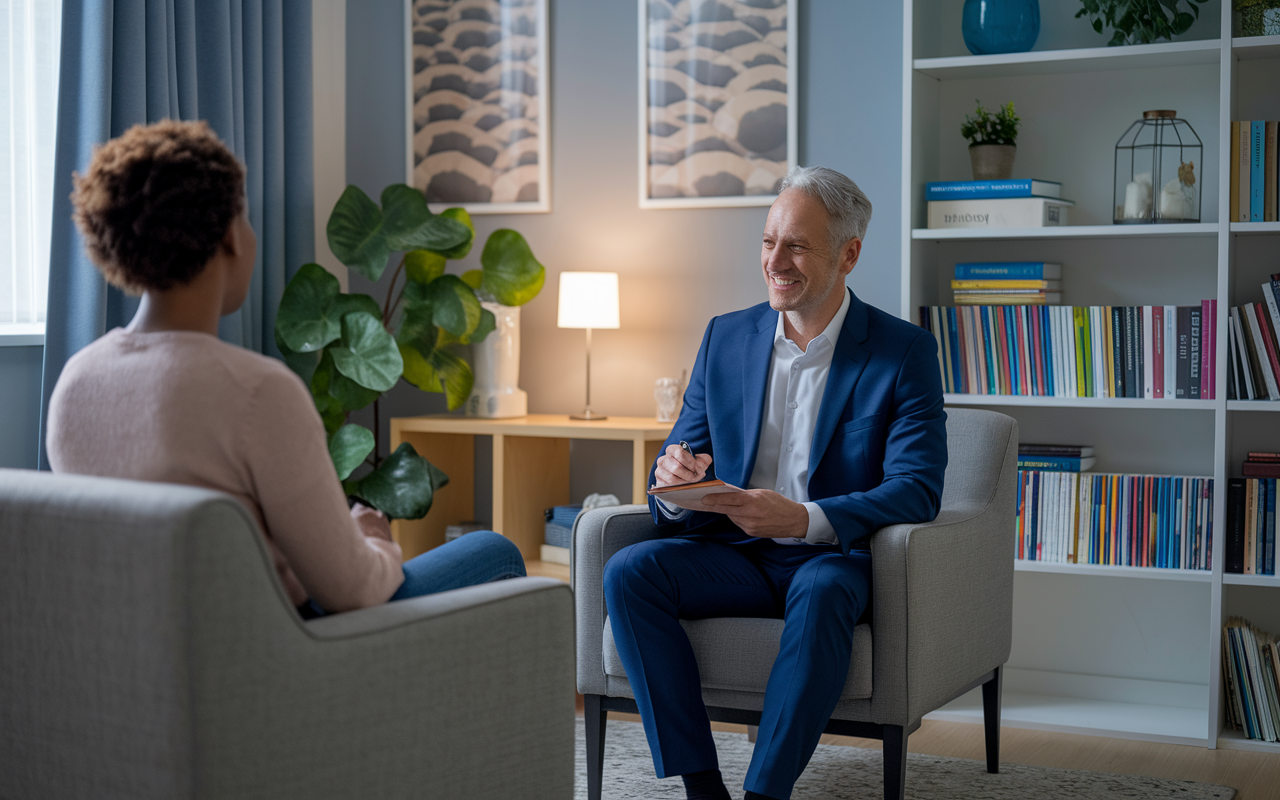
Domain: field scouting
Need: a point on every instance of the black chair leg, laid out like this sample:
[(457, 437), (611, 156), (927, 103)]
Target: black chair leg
[(991, 718), (895, 762), (596, 718)]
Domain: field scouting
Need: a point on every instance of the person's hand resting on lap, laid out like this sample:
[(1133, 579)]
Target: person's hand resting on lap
[(758, 512)]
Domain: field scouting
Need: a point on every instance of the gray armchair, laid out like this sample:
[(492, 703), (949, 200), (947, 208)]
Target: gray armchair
[(147, 650), (942, 619)]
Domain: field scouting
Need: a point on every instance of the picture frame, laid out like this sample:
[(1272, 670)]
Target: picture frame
[(713, 75), (477, 122)]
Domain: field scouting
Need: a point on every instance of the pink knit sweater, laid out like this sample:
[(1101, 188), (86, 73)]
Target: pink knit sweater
[(184, 407)]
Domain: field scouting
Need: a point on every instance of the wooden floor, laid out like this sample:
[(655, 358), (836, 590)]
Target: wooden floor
[(1254, 776)]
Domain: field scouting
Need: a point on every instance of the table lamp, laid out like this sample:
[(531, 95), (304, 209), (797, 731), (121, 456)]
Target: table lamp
[(588, 300)]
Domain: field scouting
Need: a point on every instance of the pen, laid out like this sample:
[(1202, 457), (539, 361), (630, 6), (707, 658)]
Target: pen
[(685, 447)]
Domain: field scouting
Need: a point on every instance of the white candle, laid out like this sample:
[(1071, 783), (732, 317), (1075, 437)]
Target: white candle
[(1137, 198)]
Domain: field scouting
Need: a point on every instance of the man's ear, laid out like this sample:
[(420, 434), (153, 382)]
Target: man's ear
[(232, 242), (849, 256)]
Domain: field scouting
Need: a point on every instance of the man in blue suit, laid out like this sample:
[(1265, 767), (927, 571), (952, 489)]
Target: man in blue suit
[(829, 413)]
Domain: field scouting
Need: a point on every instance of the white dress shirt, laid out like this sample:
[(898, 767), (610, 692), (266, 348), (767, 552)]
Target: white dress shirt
[(793, 396)]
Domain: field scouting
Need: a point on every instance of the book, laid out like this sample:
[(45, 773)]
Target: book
[(1242, 178), (1184, 353), (1071, 450), (689, 495), (1148, 353), (1055, 463), (1257, 139), (1030, 212), (1157, 352), (1269, 173), (970, 190), (1235, 526), (1258, 469), (1193, 355), (989, 283), (1007, 299), (1007, 270), (1256, 455), (1266, 346), (1234, 213)]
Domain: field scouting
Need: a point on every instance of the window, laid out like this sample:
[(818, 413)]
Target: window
[(30, 39)]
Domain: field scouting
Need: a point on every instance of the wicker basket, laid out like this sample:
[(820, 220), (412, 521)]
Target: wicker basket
[(1258, 17)]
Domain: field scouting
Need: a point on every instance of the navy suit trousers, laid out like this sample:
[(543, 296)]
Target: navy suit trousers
[(818, 591)]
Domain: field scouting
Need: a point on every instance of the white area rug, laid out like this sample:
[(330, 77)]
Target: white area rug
[(855, 773)]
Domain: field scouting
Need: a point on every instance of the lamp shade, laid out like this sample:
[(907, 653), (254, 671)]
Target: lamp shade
[(588, 300)]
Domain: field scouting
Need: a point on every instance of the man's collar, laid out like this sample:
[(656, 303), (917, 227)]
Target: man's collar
[(831, 332)]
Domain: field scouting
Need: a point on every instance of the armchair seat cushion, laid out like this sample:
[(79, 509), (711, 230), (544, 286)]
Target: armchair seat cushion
[(737, 653)]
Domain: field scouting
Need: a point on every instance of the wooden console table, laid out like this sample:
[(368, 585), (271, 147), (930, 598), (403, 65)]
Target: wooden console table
[(530, 470)]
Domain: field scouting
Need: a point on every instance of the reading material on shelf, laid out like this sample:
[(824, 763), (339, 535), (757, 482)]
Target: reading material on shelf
[(1016, 284), (974, 190), (1007, 270), (1115, 520), (1253, 347), (1022, 212), (1253, 171), (1056, 457), (1152, 352), (1251, 525), (1251, 672)]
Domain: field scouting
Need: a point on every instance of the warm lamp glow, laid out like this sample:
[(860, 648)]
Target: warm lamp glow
[(588, 300)]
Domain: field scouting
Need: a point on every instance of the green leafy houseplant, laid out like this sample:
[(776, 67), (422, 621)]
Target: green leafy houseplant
[(1140, 21), (998, 128), (349, 349)]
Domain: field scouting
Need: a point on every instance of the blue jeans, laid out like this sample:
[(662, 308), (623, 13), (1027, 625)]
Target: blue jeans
[(471, 559)]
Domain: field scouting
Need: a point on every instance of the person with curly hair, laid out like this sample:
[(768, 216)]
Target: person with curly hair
[(162, 212)]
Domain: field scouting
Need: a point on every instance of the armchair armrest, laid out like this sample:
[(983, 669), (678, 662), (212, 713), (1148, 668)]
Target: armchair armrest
[(597, 535), (943, 600)]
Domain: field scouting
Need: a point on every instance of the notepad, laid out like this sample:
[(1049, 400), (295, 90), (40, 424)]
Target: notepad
[(689, 495)]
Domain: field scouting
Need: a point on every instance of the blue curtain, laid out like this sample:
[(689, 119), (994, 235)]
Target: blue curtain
[(244, 66)]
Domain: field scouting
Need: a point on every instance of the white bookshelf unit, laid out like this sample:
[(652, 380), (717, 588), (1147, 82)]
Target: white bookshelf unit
[(1127, 652)]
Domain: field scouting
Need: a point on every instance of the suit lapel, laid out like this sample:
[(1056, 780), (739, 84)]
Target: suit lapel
[(847, 364), (756, 358)]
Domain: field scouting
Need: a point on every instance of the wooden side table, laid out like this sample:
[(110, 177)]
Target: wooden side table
[(530, 470)]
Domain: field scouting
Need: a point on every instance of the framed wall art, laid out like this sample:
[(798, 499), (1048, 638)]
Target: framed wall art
[(477, 103), (717, 101)]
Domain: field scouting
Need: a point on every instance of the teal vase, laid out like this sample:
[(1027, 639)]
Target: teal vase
[(1000, 26)]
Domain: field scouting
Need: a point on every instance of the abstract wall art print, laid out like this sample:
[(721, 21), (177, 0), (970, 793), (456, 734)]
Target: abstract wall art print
[(477, 97), (717, 101)]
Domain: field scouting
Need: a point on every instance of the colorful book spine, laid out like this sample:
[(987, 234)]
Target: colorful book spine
[(1069, 351), (1115, 519), (1007, 270), (1257, 158), (1251, 526), (973, 190)]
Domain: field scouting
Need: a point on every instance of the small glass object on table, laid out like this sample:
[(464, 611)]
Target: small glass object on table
[(666, 391), (1155, 173)]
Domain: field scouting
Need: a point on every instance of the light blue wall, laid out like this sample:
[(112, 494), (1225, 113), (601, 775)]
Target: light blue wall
[(677, 268), (20, 372)]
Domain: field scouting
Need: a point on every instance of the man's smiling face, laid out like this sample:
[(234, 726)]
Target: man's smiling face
[(799, 266)]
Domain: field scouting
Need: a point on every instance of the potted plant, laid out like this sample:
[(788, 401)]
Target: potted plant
[(349, 349), (1140, 21), (993, 142)]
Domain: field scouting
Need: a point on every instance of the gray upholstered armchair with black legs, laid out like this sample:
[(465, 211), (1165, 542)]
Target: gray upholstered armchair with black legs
[(942, 620)]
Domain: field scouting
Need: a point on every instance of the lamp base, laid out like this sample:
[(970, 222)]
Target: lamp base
[(589, 416)]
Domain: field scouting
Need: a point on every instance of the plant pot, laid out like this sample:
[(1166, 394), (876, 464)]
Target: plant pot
[(1000, 26), (992, 162), (496, 365)]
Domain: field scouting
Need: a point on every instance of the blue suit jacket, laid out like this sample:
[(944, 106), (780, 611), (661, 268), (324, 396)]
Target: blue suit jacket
[(880, 444)]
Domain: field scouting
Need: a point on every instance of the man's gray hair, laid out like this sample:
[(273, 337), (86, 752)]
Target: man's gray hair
[(848, 209)]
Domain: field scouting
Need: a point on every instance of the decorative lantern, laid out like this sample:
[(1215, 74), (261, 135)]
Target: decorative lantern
[(1156, 163)]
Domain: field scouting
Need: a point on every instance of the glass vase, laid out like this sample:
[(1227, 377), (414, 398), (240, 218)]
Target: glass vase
[(1000, 26)]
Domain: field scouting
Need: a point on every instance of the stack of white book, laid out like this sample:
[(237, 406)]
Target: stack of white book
[(1021, 203)]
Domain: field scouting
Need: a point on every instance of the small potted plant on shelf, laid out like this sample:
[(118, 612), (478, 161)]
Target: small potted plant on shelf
[(993, 140), (1140, 21), (349, 349)]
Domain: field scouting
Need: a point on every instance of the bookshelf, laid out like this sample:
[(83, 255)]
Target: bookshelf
[(1129, 652)]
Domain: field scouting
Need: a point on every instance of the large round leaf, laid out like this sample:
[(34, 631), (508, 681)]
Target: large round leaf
[(454, 306), (410, 225), (512, 276), (423, 266), (417, 330), (459, 215), (455, 375), (403, 485), (302, 321), (303, 364), (488, 323), (349, 446), (367, 355), (418, 369), (350, 395), (331, 410), (356, 235), (344, 304)]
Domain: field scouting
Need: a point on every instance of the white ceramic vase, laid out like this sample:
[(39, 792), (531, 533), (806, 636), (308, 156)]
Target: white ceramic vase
[(496, 364)]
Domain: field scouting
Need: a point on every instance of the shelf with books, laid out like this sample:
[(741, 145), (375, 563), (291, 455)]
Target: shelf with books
[(1250, 48), (1070, 232), (1150, 573), (1253, 405), (1076, 402), (1088, 59), (1235, 740), (1236, 579), (1253, 228)]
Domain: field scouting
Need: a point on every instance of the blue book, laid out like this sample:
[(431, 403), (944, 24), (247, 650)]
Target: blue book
[(1056, 463), (986, 190), (992, 388), (1257, 152), (1007, 271), (1035, 516), (957, 369), (1271, 525)]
